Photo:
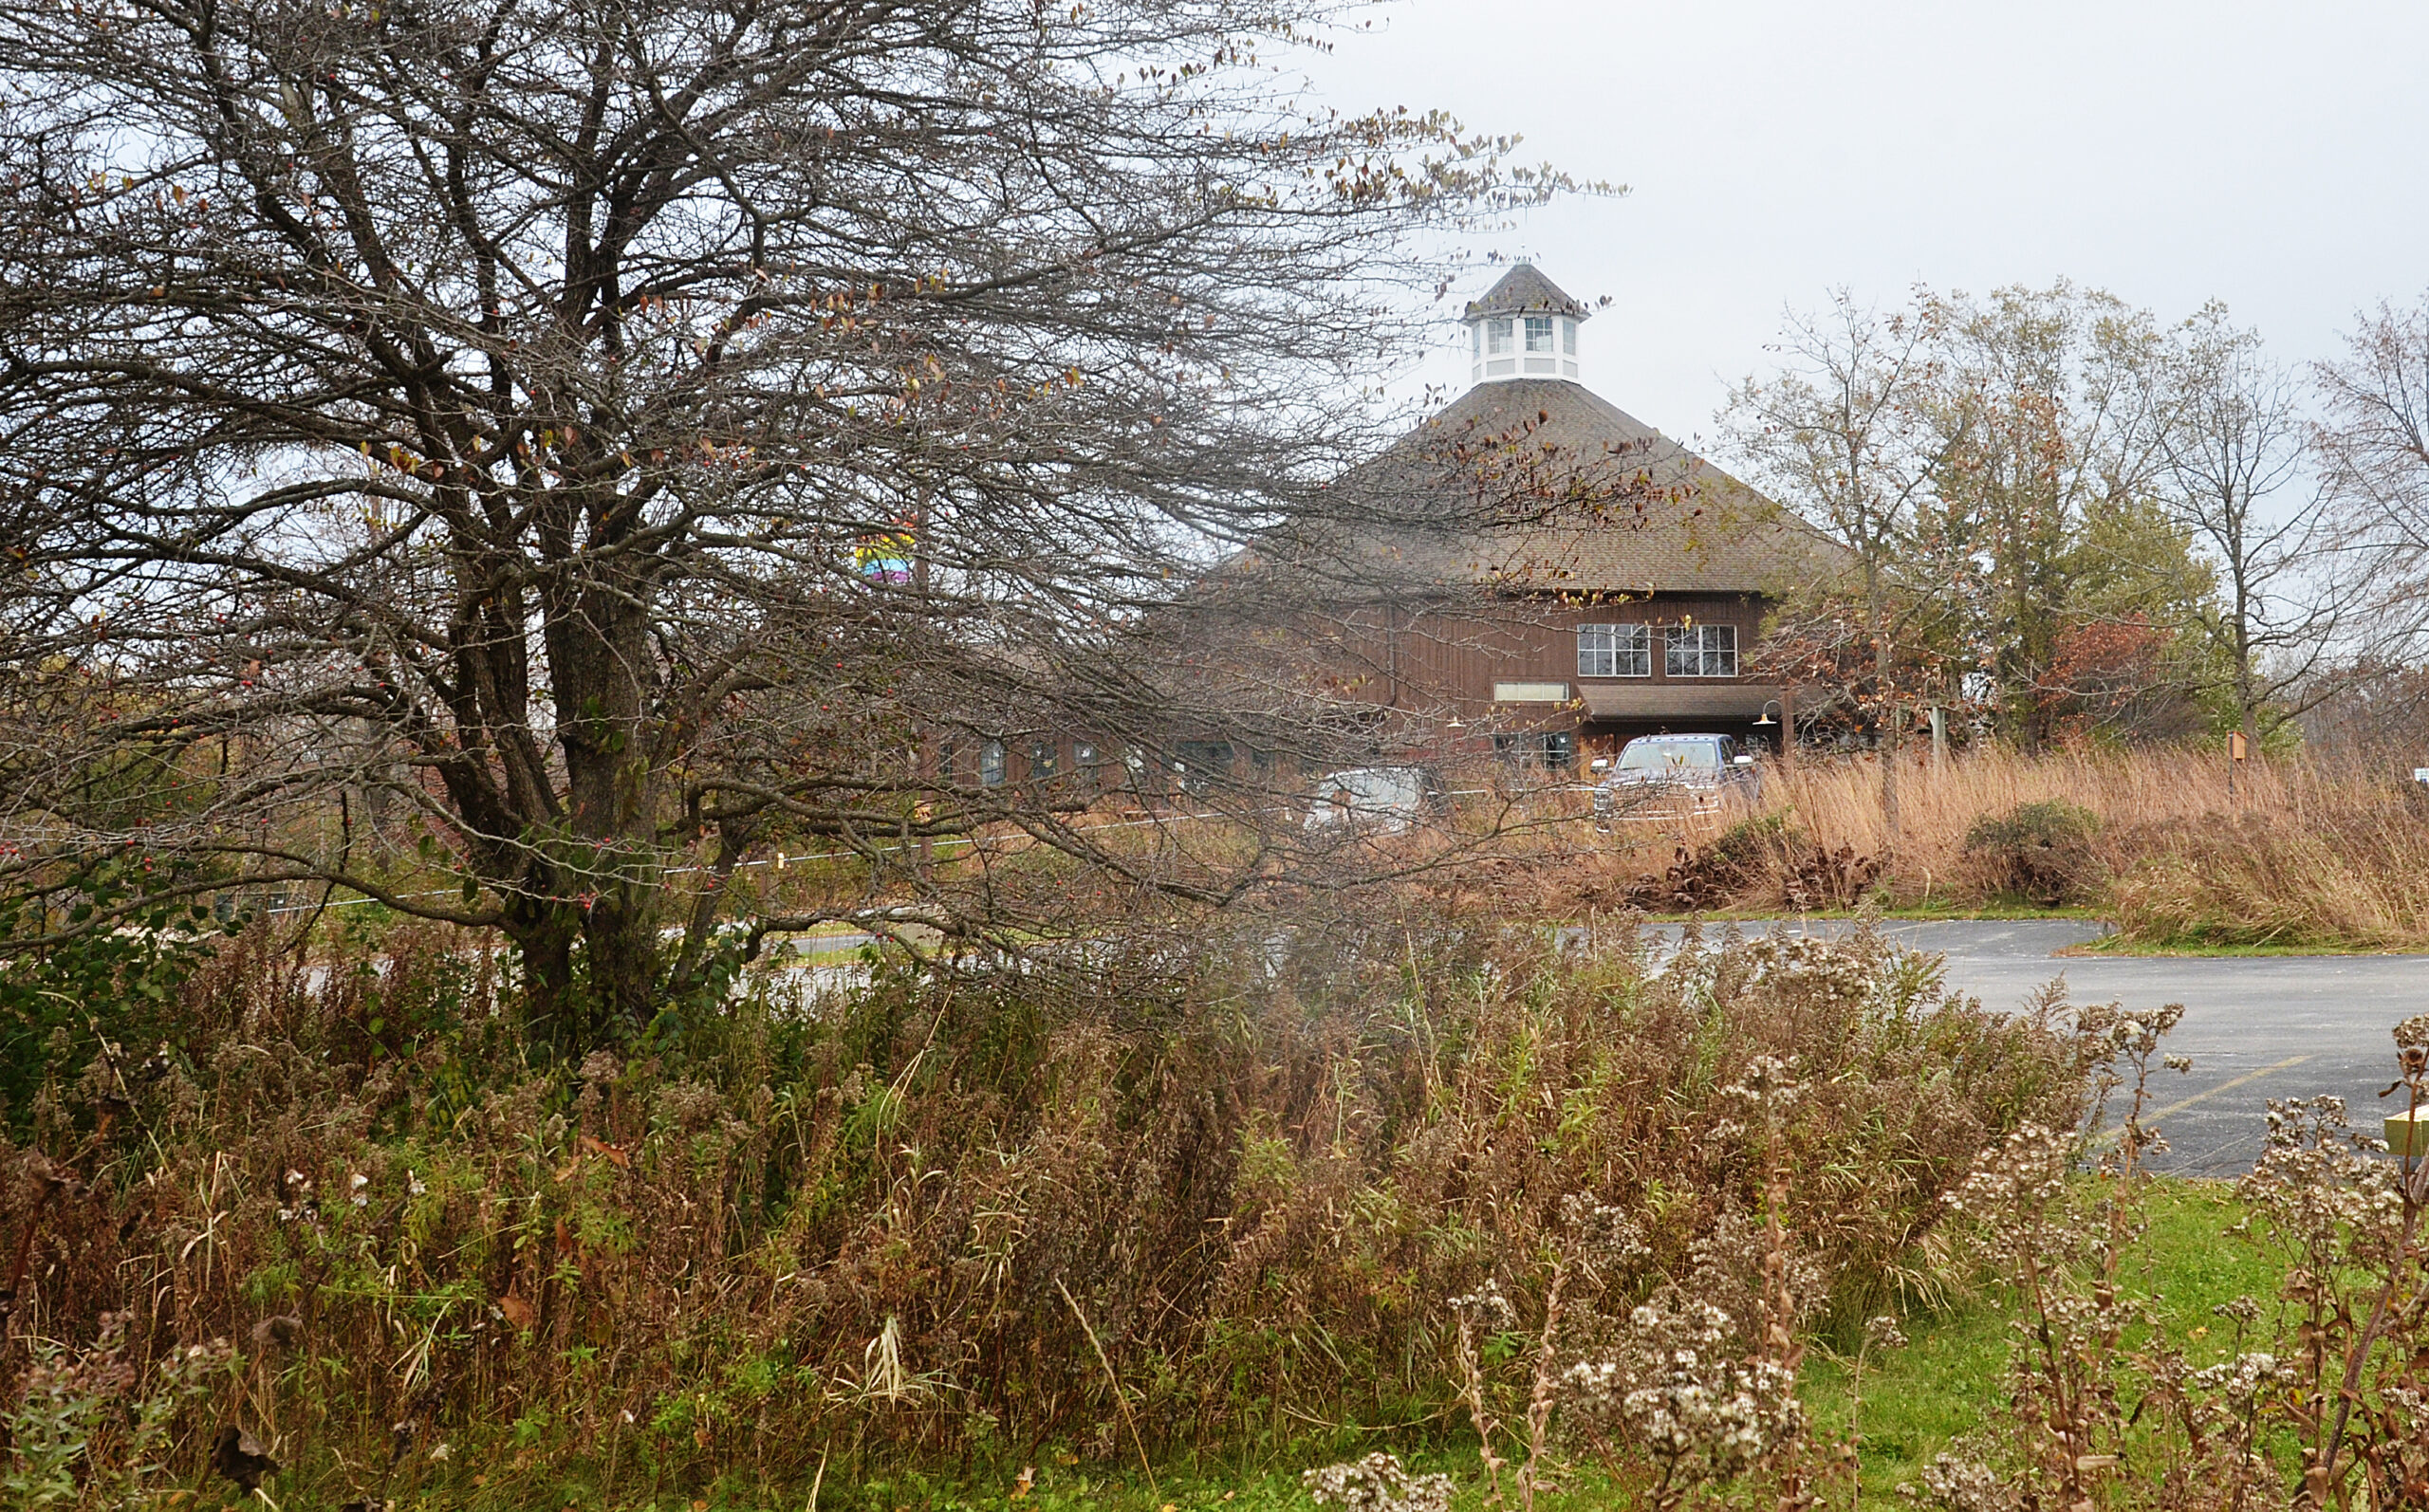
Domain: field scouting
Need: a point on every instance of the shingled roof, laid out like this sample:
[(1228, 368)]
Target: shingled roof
[(1522, 290), (1540, 486)]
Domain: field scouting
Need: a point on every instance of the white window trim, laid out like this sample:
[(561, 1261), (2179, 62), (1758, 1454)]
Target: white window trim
[(1639, 647), (1672, 649), (1498, 348)]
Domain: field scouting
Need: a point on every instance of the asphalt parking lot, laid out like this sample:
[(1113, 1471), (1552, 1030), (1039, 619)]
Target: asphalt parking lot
[(2255, 1028)]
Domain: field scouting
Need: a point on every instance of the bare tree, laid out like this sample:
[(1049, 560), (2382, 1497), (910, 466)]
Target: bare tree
[(2233, 441), (1844, 433), (2045, 399), (2373, 445), (574, 450)]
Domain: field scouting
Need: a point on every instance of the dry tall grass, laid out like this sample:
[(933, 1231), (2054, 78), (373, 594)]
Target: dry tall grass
[(2299, 854), (1088, 1209)]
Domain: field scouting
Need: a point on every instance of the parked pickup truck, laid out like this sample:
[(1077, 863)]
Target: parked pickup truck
[(1707, 770)]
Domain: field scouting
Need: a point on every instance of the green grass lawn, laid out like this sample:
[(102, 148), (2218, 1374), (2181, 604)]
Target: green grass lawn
[(1953, 1374)]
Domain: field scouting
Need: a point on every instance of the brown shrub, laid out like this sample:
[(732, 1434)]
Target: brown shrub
[(1763, 862), (905, 1222), (2320, 1402), (2041, 852)]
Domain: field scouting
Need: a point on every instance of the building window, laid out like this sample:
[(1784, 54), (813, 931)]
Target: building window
[(1539, 333), (990, 764), (1202, 762), (1476, 334), (1703, 651), (1552, 750), (1041, 759), (1496, 336), (1569, 338), (1614, 651)]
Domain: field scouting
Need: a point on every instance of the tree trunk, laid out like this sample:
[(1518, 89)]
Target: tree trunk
[(1883, 670), (2247, 695), (598, 648), (554, 1013)]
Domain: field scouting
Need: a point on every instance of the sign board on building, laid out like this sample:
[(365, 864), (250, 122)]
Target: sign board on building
[(1531, 692)]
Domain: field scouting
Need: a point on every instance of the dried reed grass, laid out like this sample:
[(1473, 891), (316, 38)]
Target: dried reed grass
[(2298, 854)]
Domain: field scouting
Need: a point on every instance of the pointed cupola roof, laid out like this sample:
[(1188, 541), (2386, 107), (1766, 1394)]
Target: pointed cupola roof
[(1524, 291)]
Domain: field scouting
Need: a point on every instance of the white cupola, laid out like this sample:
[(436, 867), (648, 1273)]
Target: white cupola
[(1524, 327)]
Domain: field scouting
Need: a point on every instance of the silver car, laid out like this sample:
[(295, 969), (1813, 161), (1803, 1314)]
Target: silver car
[(1706, 770)]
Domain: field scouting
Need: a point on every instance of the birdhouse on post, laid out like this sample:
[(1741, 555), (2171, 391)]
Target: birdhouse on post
[(2408, 1135)]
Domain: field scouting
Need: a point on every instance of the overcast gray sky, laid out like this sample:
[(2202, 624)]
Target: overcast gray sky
[(2271, 155)]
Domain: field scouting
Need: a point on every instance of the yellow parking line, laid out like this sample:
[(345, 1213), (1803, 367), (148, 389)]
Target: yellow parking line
[(2110, 1135), (2228, 1086)]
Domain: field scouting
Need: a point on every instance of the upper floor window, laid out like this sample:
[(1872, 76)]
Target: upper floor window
[(1703, 651), (1614, 651), (1569, 338), (1539, 333), (990, 764), (1496, 336)]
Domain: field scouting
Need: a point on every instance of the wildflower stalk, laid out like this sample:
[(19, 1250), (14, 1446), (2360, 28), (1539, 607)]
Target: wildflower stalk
[(1484, 1302), (1543, 1396), (1780, 1344), (2412, 1039)]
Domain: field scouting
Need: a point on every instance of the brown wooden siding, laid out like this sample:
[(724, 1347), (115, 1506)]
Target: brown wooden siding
[(1458, 656)]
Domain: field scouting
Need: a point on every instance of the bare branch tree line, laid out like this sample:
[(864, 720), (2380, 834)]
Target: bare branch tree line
[(582, 454), (2064, 517), (582, 450)]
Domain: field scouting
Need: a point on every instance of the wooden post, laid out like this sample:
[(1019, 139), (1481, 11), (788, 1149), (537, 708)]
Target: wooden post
[(1788, 728)]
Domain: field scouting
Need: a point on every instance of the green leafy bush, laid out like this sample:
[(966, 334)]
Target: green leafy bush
[(88, 1430), (2039, 852), (94, 986)]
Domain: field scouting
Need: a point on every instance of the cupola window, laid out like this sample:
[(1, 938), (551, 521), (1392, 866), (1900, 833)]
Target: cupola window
[(1524, 327)]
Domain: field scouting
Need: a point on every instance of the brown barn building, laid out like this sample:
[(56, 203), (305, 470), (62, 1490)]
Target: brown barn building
[(1602, 581)]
